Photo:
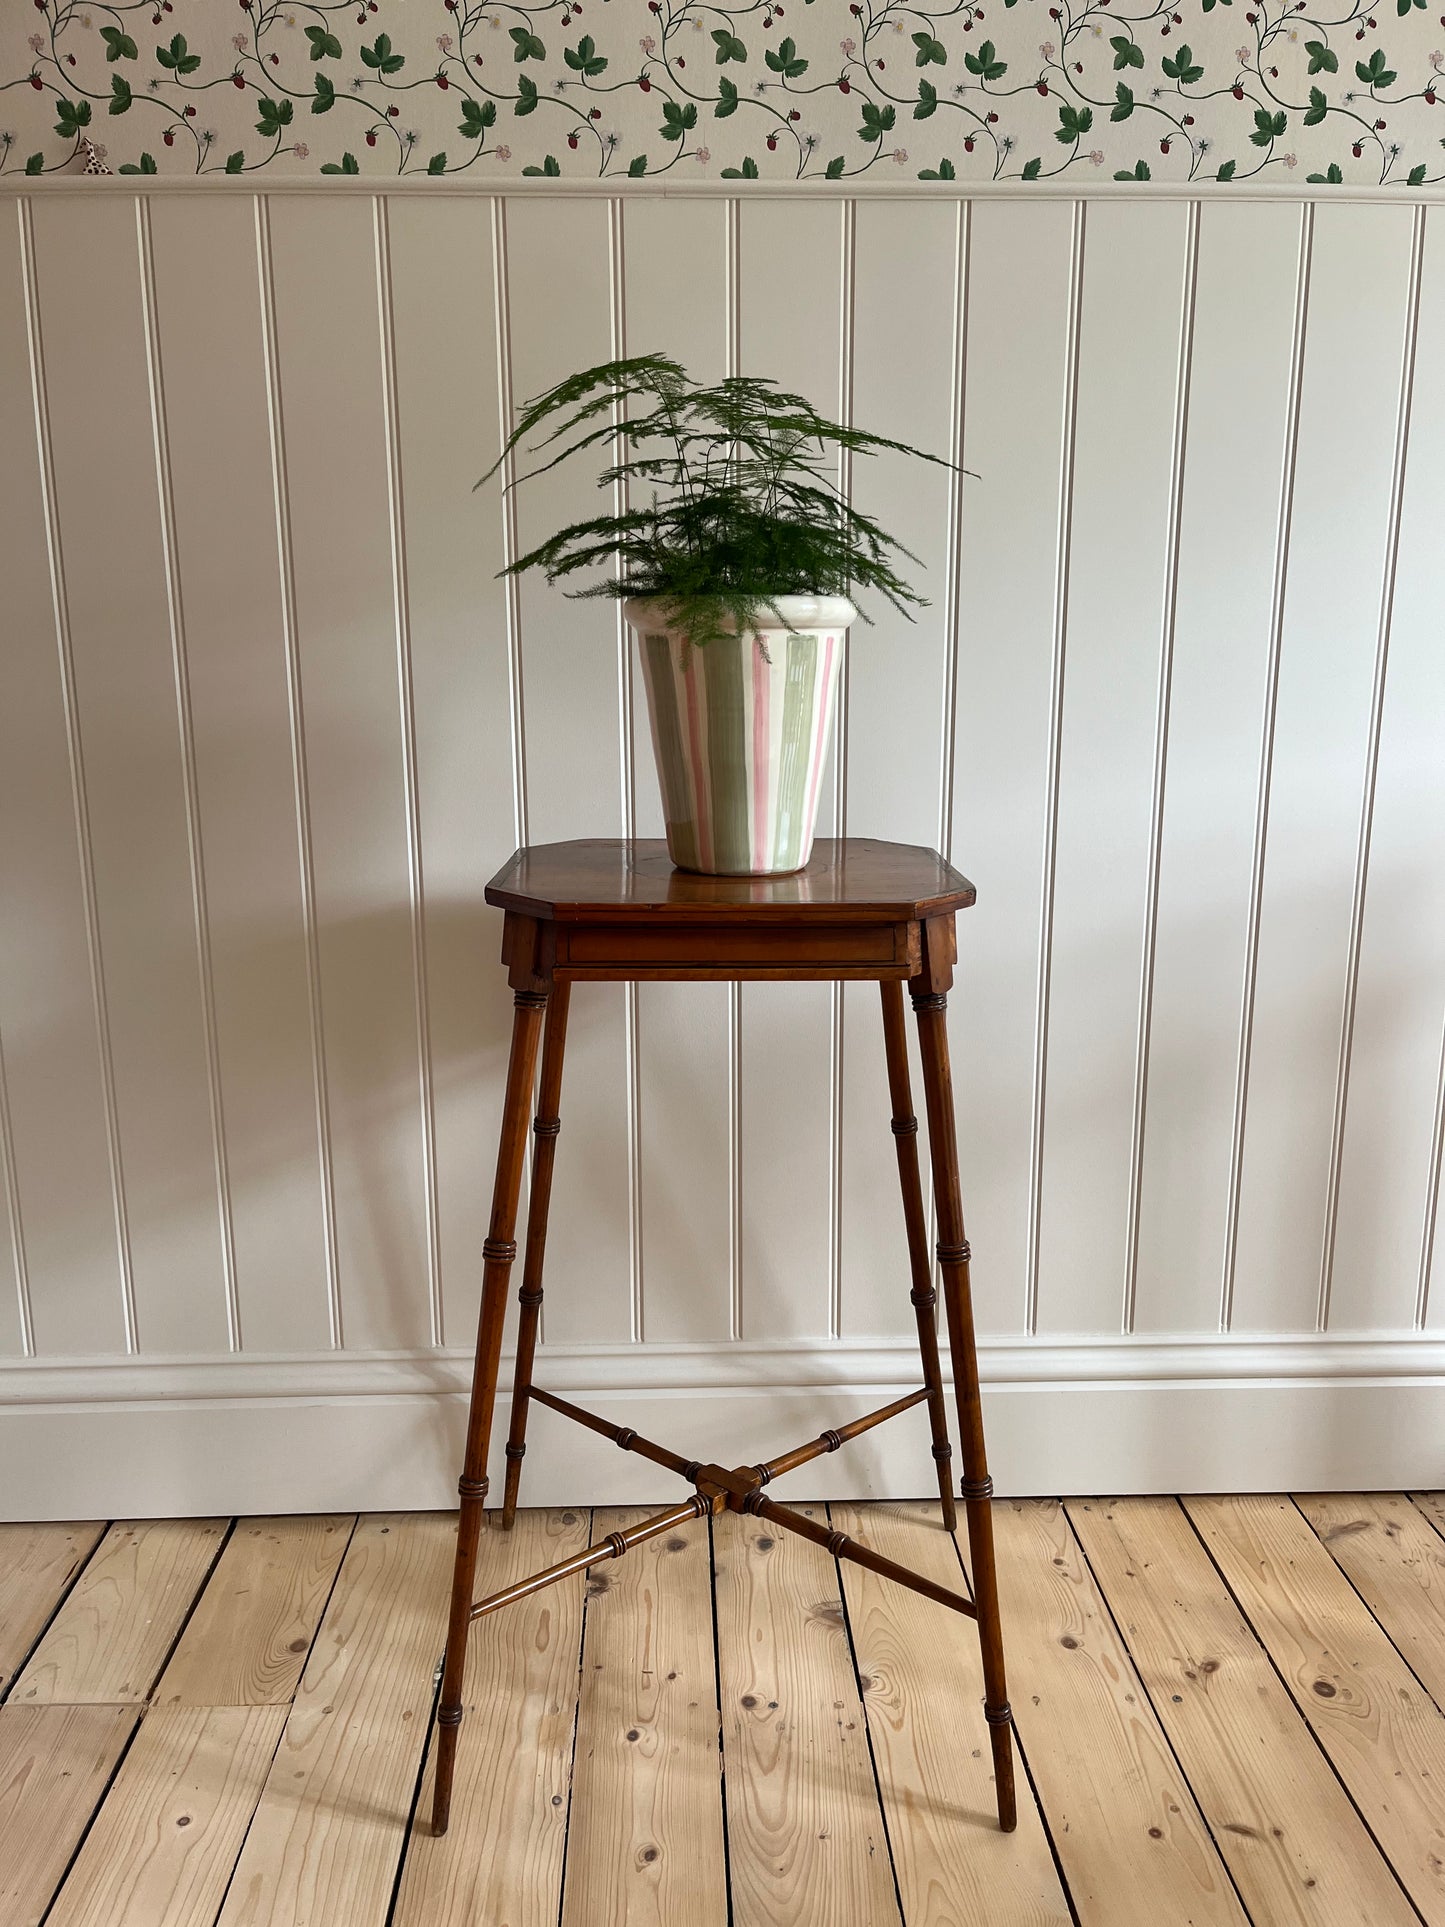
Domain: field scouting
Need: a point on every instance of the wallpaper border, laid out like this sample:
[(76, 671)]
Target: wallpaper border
[(1430, 194)]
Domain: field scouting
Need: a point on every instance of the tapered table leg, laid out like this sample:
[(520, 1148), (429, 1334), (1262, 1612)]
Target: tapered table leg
[(923, 1295), (976, 1487), (498, 1252), (545, 1127)]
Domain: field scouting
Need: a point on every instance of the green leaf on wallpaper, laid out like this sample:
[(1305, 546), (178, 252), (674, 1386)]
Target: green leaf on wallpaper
[(786, 60), (930, 52), (584, 58), (1209, 5), (71, 116), (437, 164), (986, 62), (1267, 127), (927, 102), (1317, 108), (1031, 169), (324, 45), (380, 57), (1140, 172), (1123, 102), (477, 117), (876, 121), (275, 114), (146, 165), (120, 94), (526, 95), (325, 96), (549, 167), (178, 56), (1374, 72), (526, 45), (1226, 172), (236, 163), (1416, 175), (834, 170), (35, 164), (747, 172), (346, 165), (118, 45), (1332, 177), (1126, 54), (727, 100), (1074, 122), (677, 117), (1402, 7), (637, 167), (943, 172), (1322, 59), (1183, 67), (729, 47)]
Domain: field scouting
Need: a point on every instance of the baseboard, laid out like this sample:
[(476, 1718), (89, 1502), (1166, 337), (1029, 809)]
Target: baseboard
[(338, 1431)]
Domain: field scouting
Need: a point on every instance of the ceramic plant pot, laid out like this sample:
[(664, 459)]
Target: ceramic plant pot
[(740, 729)]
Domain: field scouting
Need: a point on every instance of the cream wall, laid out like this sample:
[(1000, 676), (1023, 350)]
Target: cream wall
[(268, 722)]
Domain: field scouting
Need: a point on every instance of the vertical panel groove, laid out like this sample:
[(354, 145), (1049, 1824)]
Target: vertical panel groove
[(406, 702), (1168, 627), (626, 694), (1063, 554), (79, 796), (185, 723), (847, 311), (300, 777), (733, 357), (502, 295), (1432, 1197), (953, 560), (23, 1305), (1266, 764), (1372, 766)]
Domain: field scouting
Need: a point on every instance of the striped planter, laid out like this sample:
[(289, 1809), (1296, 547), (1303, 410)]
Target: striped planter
[(740, 728)]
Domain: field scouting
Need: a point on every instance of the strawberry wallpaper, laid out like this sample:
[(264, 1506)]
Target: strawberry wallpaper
[(1014, 90)]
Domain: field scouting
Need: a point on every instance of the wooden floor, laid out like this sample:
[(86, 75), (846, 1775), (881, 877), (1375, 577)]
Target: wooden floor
[(1229, 1710)]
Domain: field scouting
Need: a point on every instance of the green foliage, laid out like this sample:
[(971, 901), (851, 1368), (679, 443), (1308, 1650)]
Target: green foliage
[(729, 47), (1374, 72), (1031, 169), (380, 56), (275, 114), (325, 98), (730, 494), (927, 102), (477, 117), (146, 165), (118, 45), (584, 58), (1139, 172), (747, 172), (1317, 108), (179, 58), (876, 121), (786, 60), (943, 172), (1123, 102), (1074, 123), (1226, 171), (727, 100), (236, 163), (346, 165), (549, 167), (324, 45), (1126, 54), (120, 95), (1322, 59), (1267, 127), (1183, 67), (930, 52), (70, 117), (1332, 177), (986, 62)]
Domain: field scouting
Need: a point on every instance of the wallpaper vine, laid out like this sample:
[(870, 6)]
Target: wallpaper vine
[(1018, 90)]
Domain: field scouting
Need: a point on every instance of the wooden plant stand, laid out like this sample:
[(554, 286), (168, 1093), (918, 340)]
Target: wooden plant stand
[(618, 911)]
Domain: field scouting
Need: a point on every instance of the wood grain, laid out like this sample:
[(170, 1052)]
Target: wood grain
[(111, 1637), (1381, 1731), (247, 1641), (328, 1833), (923, 1695), (37, 1564), (645, 1842), (1395, 1560), (1432, 1505), (55, 1762), (806, 1836), (501, 1859), (1296, 1847), (1134, 1848), (164, 1844)]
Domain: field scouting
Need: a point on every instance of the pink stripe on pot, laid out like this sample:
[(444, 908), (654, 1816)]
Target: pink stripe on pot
[(702, 776), (762, 685)]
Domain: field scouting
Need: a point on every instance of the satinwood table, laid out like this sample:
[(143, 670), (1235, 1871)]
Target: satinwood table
[(600, 912)]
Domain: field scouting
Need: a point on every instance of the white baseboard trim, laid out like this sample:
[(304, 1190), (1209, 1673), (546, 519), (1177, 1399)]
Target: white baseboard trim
[(339, 1431)]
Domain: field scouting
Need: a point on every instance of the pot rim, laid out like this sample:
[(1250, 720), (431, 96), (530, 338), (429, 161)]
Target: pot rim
[(800, 613)]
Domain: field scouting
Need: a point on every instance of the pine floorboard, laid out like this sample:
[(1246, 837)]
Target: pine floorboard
[(1228, 1711)]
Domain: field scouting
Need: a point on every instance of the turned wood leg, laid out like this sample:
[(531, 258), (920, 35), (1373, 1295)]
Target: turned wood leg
[(924, 1297), (498, 1252), (976, 1487), (545, 1127)]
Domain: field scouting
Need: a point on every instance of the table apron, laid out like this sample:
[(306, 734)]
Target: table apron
[(734, 951)]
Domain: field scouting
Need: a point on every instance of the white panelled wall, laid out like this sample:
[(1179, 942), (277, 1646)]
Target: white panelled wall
[(268, 722)]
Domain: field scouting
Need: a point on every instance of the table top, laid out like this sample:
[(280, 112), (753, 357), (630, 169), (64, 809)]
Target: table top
[(853, 879)]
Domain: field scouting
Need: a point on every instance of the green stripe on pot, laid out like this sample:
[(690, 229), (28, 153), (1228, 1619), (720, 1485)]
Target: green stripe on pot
[(676, 794), (799, 687), (727, 757)]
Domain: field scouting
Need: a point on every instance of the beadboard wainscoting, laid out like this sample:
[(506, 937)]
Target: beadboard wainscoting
[(268, 722)]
